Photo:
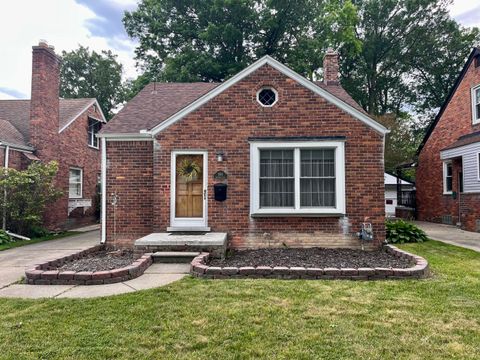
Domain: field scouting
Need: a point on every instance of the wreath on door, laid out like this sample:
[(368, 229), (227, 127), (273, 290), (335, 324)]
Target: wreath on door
[(189, 170)]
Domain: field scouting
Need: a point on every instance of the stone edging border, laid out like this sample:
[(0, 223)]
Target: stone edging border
[(45, 274), (199, 268)]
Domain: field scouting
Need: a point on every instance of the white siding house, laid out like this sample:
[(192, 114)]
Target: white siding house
[(391, 193)]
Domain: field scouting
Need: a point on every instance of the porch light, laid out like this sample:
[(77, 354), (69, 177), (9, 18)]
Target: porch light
[(220, 156)]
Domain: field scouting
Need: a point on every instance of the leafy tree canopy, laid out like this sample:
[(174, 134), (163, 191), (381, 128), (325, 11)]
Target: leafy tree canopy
[(87, 73), (210, 40)]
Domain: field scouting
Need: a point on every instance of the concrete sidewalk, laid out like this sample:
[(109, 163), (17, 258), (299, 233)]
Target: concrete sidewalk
[(451, 235), (14, 262)]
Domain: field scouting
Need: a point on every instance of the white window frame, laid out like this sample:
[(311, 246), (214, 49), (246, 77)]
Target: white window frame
[(445, 164), (81, 183), (267, 88), (475, 120), (338, 146), (91, 136)]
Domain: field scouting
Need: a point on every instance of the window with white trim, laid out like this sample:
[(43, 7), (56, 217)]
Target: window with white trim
[(75, 183), (297, 178), (476, 104), (94, 127), (447, 177), (267, 97)]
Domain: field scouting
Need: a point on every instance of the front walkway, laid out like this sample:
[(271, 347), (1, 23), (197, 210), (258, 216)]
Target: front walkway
[(451, 235), (14, 262)]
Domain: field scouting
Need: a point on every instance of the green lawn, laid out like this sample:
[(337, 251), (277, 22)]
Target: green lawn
[(18, 243), (438, 318)]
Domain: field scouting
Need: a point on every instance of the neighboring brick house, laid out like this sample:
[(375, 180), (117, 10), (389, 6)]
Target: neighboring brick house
[(47, 128), (302, 161), (448, 173)]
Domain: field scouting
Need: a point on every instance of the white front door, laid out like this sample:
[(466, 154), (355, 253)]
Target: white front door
[(188, 201)]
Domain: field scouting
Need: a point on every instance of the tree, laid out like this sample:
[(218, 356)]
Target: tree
[(28, 192), (412, 52), (402, 142), (210, 40), (87, 73)]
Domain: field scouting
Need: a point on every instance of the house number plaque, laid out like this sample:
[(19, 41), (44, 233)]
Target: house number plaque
[(220, 175)]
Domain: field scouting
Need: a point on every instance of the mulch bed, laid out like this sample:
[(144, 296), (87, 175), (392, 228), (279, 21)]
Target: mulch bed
[(312, 257), (100, 261)]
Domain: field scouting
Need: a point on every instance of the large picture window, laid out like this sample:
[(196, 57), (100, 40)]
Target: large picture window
[(297, 178), (75, 183)]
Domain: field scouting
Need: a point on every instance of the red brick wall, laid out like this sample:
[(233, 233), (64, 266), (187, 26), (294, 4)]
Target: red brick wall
[(73, 151), (130, 177), (225, 123), (455, 122)]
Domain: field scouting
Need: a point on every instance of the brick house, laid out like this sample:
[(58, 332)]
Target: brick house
[(448, 173), (302, 162), (47, 128)]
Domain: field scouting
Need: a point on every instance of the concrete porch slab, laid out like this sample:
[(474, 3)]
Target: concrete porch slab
[(183, 239), (162, 268)]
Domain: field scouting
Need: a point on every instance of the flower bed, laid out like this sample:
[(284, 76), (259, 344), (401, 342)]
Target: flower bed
[(413, 266), (58, 272)]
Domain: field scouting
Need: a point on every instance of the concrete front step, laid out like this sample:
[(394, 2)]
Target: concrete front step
[(214, 243), (174, 256)]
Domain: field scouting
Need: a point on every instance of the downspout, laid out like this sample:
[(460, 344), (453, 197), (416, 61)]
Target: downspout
[(104, 190), (5, 165)]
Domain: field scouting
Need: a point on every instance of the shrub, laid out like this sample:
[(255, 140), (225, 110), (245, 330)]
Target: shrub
[(4, 237), (400, 231), (29, 192)]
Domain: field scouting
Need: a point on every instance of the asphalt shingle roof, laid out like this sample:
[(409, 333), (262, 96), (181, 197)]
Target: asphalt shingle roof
[(17, 114)]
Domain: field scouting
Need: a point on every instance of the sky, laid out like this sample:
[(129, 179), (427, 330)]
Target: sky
[(66, 24)]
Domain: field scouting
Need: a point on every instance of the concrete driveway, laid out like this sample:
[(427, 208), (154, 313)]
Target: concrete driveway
[(13, 262), (451, 235)]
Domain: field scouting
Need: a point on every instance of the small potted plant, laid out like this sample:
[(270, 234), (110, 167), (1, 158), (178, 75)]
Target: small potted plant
[(189, 169)]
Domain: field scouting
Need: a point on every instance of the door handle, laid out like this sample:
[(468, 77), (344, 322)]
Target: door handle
[(205, 194)]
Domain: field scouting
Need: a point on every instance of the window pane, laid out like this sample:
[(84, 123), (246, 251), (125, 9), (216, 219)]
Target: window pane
[(276, 178), (317, 178), (477, 96), (449, 183), (317, 192), (449, 170), (277, 193)]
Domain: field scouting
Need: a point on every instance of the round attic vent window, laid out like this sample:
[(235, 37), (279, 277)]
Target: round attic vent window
[(267, 97)]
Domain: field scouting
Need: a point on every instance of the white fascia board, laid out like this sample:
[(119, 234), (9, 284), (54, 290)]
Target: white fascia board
[(94, 101), (286, 71), (126, 136)]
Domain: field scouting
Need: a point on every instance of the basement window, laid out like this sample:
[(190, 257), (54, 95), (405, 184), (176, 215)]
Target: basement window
[(94, 127), (75, 183)]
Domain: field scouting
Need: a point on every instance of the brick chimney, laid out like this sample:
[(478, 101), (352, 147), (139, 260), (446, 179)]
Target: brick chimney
[(44, 104), (330, 67)]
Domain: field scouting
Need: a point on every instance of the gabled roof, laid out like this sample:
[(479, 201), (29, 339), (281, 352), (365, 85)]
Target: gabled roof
[(10, 135), (475, 52), (17, 113), (160, 105), (154, 104)]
